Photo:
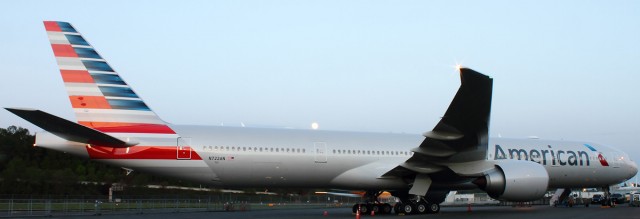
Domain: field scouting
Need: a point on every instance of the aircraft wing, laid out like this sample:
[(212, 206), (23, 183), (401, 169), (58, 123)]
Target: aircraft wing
[(461, 136), (69, 130)]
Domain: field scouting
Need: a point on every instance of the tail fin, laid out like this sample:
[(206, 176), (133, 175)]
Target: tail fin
[(100, 98)]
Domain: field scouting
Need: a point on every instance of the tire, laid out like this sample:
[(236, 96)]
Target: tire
[(433, 208), (355, 208), (386, 208), (375, 208), (421, 208), (407, 208), (365, 209)]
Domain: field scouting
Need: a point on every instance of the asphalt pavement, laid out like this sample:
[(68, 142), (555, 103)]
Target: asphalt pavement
[(486, 212)]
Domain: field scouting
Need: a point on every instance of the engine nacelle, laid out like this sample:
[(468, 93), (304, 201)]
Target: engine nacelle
[(515, 180)]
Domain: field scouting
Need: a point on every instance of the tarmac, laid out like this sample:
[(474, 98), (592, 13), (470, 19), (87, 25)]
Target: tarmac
[(486, 212)]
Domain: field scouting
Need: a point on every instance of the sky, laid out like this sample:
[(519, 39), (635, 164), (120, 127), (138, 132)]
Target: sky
[(561, 69)]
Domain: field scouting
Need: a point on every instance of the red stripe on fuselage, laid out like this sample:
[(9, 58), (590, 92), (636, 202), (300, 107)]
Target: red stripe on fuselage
[(52, 26), (138, 152), (123, 127)]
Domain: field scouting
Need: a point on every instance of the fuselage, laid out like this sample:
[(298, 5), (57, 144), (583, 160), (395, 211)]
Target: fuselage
[(259, 157)]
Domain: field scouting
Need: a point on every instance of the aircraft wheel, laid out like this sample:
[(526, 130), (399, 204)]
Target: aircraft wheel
[(355, 208), (375, 208), (433, 208), (386, 208), (407, 208), (421, 208), (365, 209)]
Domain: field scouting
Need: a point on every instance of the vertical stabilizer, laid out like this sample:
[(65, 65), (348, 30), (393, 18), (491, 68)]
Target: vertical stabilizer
[(100, 98)]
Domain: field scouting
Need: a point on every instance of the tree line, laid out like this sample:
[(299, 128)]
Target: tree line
[(25, 169)]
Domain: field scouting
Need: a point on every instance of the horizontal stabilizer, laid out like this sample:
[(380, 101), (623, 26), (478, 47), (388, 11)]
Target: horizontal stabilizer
[(69, 130)]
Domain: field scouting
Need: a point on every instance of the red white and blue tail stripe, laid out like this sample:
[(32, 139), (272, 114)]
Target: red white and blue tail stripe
[(100, 98)]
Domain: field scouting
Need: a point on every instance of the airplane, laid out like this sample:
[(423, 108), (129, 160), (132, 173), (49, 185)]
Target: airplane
[(114, 125)]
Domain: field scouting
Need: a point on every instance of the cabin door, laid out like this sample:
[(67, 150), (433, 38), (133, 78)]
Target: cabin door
[(320, 150), (184, 149)]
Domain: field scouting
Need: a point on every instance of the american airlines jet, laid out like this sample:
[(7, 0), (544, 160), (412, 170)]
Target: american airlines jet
[(114, 125)]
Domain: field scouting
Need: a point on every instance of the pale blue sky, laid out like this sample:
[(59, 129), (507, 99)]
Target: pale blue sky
[(561, 69)]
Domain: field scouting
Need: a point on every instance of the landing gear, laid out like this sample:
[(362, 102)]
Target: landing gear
[(405, 208), (386, 208), (372, 204), (419, 206), (409, 204), (433, 208), (607, 197), (377, 208)]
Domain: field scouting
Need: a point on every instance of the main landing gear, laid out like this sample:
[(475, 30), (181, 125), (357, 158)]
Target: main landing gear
[(372, 204), (417, 205), (377, 208), (414, 205)]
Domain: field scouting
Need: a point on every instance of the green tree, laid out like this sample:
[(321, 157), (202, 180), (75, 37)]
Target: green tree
[(25, 169)]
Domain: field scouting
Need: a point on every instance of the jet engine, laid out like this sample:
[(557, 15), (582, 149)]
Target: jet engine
[(515, 180)]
